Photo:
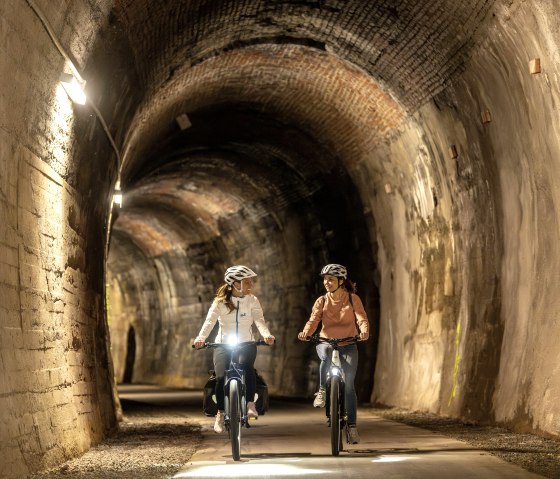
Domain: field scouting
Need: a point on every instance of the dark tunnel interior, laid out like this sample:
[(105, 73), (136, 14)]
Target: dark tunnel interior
[(415, 142)]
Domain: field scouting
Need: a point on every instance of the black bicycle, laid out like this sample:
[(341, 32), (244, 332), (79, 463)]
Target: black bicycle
[(335, 405), (235, 403)]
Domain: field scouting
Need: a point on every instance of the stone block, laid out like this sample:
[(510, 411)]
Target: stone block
[(34, 339), (11, 338), (8, 254), (9, 284), (33, 277)]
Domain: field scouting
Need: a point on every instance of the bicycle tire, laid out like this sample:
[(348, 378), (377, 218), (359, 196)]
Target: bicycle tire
[(336, 433), (235, 420)]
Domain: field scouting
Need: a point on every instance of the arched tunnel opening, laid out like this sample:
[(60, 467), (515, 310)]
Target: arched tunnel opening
[(414, 142), (238, 186)]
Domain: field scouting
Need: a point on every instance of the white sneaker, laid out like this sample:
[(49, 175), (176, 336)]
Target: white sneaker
[(320, 398), (252, 411), (219, 426), (352, 435)]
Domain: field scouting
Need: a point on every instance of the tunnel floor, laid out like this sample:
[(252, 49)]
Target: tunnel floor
[(161, 430)]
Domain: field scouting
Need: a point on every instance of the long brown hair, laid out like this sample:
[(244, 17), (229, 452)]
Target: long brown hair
[(348, 285), (223, 295)]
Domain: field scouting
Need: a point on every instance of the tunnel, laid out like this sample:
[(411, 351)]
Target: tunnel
[(415, 142)]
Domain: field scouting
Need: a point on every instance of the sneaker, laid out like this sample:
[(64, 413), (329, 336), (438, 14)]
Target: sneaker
[(320, 398), (352, 434), (252, 411), (219, 427)]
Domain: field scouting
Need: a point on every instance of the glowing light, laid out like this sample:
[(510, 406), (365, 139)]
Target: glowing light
[(247, 470), (73, 88), (393, 459), (232, 340), (117, 195)]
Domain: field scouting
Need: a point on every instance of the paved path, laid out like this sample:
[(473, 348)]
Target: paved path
[(292, 440)]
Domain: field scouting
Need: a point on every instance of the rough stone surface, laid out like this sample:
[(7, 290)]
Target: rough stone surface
[(151, 443), (409, 142)]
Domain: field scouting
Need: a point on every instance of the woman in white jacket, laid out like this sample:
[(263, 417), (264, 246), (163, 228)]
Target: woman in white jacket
[(235, 309)]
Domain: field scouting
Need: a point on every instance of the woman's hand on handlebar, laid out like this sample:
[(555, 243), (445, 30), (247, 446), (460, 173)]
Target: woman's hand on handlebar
[(364, 335), (302, 336), (198, 343), (269, 340)]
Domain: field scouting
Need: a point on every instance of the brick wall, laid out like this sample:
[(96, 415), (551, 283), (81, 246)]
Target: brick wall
[(55, 386)]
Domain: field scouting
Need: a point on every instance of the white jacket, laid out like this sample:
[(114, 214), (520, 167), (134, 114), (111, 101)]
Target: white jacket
[(250, 311)]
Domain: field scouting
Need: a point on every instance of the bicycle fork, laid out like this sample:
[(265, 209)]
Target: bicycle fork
[(336, 370), (242, 402)]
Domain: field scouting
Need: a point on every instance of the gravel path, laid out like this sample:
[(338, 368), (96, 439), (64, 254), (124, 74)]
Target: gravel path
[(152, 443), (155, 442), (533, 453)]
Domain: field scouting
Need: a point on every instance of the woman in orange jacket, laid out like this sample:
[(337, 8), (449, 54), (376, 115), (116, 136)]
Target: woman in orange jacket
[(342, 315)]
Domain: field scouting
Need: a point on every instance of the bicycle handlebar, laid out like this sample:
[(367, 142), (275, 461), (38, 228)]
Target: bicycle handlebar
[(260, 342), (333, 341)]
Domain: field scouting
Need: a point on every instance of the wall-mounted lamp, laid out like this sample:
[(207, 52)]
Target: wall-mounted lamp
[(453, 152), (535, 66), (183, 121), (117, 195), (486, 116), (74, 88)]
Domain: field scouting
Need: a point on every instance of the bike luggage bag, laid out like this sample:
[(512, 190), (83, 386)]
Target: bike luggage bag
[(262, 395), (210, 406)]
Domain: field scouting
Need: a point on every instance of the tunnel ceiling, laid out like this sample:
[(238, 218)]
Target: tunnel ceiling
[(283, 98)]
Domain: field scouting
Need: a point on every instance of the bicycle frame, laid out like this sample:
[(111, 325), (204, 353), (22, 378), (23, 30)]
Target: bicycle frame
[(235, 391), (335, 409)]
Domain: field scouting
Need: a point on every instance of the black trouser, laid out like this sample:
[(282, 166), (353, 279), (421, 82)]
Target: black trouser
[(247, 356)]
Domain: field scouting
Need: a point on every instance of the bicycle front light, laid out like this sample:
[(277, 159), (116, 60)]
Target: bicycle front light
[(232, 340)]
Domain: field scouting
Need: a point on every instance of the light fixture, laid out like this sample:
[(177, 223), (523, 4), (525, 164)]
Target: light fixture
[(453, 152), (117, 195), (535, 66), (74, 88), (486, 116), (183, 121)]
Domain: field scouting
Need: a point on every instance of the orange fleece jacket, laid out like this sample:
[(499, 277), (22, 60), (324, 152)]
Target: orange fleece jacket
[(338, 317)]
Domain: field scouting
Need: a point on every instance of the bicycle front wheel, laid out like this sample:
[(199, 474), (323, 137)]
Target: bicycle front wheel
[(235, 420), (336, 432)]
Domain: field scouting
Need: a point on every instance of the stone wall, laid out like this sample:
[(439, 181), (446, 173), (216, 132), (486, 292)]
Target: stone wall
[(492, 330), (55, 376)]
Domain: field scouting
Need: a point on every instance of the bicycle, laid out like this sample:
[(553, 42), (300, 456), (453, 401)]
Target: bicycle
[(335, 407), (235, 401)]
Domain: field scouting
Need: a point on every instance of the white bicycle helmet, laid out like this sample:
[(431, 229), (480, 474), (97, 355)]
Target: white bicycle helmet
[(237, 273), (336, 270)]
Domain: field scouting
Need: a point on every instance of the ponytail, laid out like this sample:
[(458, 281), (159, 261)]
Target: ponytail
[(223, 295)]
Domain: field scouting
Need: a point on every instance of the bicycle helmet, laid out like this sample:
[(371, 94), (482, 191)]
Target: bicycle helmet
[(237, 273), (336, 270)]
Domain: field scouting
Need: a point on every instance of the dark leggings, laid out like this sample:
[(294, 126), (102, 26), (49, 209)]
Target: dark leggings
[(247, 356)]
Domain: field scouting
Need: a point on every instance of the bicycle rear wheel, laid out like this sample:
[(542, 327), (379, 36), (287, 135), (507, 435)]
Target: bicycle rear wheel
[(235, 420), (336, 432)]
